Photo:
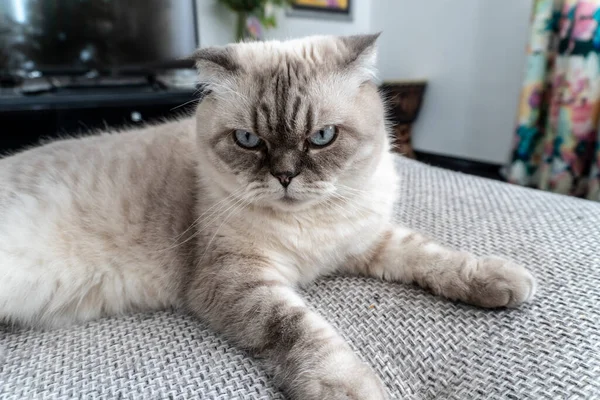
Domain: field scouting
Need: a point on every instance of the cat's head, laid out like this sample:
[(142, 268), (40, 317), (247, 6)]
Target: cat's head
[(291, 124)]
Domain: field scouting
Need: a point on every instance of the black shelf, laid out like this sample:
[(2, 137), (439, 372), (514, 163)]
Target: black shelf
[(27, 119), (90, 98)]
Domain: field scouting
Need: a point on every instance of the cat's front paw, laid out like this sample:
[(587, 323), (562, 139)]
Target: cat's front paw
[(352, 381), (496, 282)]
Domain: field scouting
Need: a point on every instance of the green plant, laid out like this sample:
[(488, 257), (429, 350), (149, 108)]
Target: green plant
[(257, 8)]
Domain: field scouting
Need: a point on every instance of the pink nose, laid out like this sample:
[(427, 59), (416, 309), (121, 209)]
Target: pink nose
[(285, 178)]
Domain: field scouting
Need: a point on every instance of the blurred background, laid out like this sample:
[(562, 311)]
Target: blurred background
[(506, 89)]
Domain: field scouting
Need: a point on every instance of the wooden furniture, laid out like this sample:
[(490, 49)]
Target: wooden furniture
[(404, 99)]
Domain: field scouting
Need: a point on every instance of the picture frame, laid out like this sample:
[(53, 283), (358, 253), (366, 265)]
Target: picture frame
[(339, 10)]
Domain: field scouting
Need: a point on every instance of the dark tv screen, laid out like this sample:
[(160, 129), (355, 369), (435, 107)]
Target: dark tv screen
[(65, 35)]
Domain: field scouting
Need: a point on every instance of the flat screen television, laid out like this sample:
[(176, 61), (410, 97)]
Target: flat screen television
[(63, 36)]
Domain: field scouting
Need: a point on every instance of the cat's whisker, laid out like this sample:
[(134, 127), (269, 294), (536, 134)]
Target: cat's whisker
[(357, 207), (339, 211), (369, 192), (239, 205), (219, 203), (212, 208), (353, 206), (363, 193), (224, 89), (185, 104), (208, 223)]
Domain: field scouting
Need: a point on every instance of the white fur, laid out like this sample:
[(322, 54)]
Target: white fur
[(54, 270)]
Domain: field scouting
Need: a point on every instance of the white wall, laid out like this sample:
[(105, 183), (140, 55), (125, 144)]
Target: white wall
[(217, 24), (499, 61), (472, 52), (291, 27)]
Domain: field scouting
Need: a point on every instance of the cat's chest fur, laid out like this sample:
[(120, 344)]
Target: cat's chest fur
[(310, 244)]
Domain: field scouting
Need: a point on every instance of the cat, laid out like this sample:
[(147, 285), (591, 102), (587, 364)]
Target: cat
[(283, 175)]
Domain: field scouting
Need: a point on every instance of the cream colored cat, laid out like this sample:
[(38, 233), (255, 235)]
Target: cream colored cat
[(284, 175)]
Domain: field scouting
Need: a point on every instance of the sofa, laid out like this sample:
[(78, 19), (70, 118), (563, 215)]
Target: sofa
[(423, 347)]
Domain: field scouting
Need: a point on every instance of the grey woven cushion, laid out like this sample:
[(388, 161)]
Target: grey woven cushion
[(422, 346)]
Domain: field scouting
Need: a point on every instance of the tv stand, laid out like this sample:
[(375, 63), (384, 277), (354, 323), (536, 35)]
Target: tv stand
[(28, 118)]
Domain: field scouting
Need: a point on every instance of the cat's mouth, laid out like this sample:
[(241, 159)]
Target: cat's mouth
[(288, 202), (295, 199), (287, 198)]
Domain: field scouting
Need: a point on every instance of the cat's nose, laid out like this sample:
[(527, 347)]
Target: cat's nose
[(285, 178)]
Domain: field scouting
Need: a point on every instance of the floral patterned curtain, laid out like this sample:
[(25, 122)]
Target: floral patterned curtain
[(556, 141)]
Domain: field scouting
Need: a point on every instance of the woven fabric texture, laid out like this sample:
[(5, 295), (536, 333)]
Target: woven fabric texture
[(422, 346)]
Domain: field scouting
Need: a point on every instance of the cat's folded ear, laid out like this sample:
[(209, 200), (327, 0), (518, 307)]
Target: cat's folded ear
[(215, 63), (361, 54)]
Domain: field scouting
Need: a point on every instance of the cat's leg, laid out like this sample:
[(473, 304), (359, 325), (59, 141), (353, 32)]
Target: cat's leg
[(406, 256), (252, 303)]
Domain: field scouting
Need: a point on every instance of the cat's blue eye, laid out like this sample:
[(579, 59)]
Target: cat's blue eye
[(247, 140), (323, 137)]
